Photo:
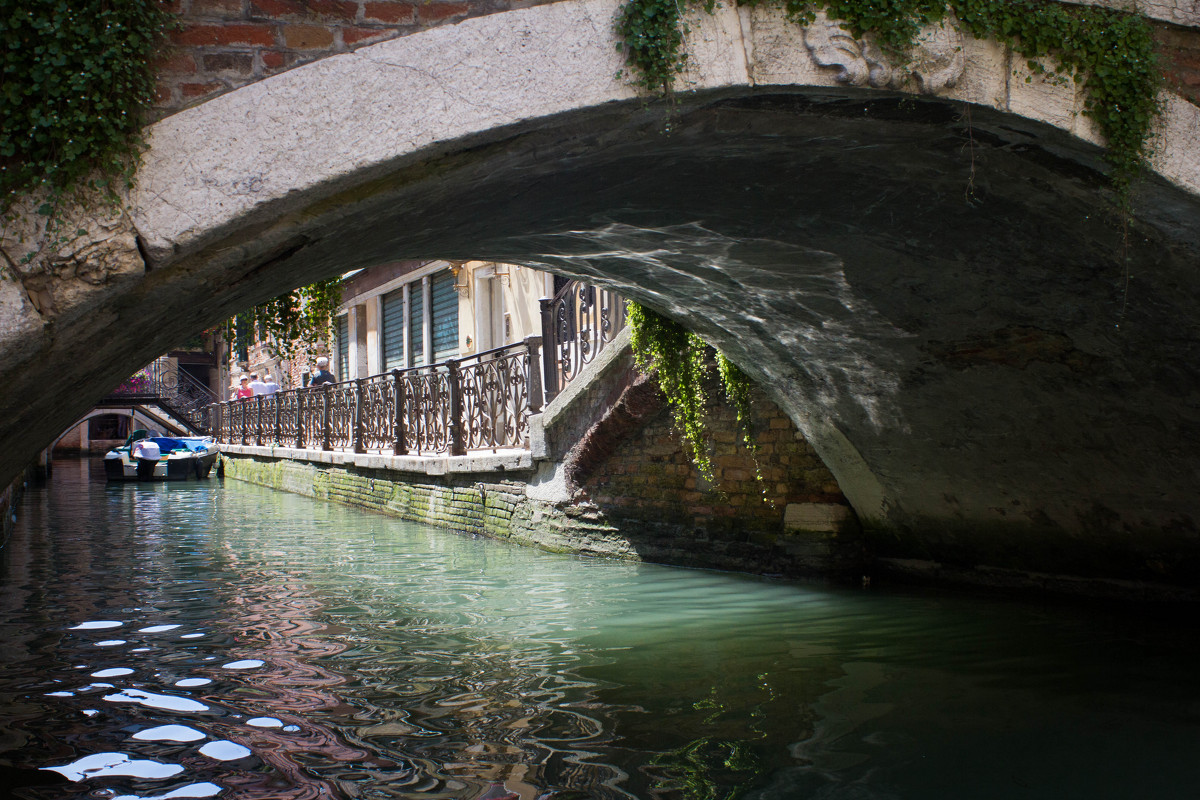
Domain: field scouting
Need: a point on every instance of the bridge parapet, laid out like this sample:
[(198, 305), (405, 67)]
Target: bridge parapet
[(226, 44)]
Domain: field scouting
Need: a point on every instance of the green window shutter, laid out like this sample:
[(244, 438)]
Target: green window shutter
[(445, 316), (393, 330), (343, 347), (416, 324)]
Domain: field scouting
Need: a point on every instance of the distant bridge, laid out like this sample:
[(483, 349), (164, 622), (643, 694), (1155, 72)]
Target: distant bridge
[(934, 286)]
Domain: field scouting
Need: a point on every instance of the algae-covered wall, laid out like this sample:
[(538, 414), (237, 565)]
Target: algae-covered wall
[(487, 504), (461, 502)]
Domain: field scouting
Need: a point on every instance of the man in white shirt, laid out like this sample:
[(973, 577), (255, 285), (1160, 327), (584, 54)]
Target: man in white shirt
[(271, 387), (257, 386)]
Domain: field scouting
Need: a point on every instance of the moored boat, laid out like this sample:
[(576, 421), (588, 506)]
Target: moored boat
[(148, 457)]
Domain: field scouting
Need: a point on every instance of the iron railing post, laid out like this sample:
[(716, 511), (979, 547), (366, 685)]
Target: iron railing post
[(457, 445), (326, 417), (549, 346), (534, 380), (242, 404), (258, 420), (278, 437), (301, 407), (359, 433), (398, 411)]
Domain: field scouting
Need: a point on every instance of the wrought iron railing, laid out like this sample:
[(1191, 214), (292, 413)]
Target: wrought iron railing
[(481, 402), (577, 324), (162, 382)]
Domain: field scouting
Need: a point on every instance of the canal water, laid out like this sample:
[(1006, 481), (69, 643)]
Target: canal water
[(216, 639)]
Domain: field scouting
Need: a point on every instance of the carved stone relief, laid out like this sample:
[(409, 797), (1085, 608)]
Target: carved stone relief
[(935, 62)]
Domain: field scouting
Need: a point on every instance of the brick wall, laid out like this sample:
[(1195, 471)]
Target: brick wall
[(650, 480), (1179, 55), (224, 44)]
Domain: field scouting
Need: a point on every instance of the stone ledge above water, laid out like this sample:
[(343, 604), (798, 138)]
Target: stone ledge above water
[(504, 460)]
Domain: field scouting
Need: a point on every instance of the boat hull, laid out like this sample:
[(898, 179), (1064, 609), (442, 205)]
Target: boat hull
[(119, 465)]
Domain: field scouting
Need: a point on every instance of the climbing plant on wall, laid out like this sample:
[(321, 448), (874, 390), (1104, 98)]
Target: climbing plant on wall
[(679, 360), (1110, 52), (78, 81), (294, 323)]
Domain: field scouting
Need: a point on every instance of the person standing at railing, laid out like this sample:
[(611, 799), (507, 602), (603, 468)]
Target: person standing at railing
[(244, 391), (257, 386), (322, 375), (269, 384)]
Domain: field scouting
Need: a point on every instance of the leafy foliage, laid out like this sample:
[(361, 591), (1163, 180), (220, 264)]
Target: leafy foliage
[(679, 360), (1110, 52), (78, 78), (652, 39), (295, 323)]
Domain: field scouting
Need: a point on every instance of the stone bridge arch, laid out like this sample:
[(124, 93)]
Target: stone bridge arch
[(934, 286)]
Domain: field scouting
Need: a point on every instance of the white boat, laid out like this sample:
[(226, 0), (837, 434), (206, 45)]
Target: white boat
[(148, 457)]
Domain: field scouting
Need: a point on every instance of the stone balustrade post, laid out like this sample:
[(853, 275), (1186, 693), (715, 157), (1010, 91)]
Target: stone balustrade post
[(533, 346), (547, 364)]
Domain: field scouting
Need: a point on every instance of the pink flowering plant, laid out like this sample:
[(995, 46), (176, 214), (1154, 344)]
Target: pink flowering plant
[(138, 383)]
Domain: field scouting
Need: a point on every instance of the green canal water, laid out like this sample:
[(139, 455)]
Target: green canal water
[(211, 639)]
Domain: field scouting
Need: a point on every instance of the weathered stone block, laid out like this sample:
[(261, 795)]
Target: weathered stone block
[(816, 517)]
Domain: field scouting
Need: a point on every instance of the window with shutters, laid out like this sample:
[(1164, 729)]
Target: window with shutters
[(343, 347), (441, 326), (416, 325), (393, 330), (445, 316)]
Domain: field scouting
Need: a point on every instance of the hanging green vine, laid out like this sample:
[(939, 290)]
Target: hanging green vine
[(78, 80), (679, 360), (677, 357), (296, 323), (1110, 52)]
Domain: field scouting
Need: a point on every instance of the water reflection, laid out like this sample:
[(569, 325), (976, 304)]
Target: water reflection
[(274, 647)]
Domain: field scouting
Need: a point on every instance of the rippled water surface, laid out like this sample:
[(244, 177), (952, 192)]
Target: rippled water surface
[(211, 639)]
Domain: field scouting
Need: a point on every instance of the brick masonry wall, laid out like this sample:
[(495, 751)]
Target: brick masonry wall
[(1179, 56), (650, 480), (224, 44)]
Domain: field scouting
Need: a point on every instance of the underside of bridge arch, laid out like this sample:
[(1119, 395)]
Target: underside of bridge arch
[(943, 298)]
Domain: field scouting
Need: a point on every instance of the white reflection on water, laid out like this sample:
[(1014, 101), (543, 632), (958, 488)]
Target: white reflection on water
[(105, 764), (249, 663), (164, 701), (157, 628), (189, 682), (112, 673), (96, 626), (264, 722), (224, 750), (169, 733)]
